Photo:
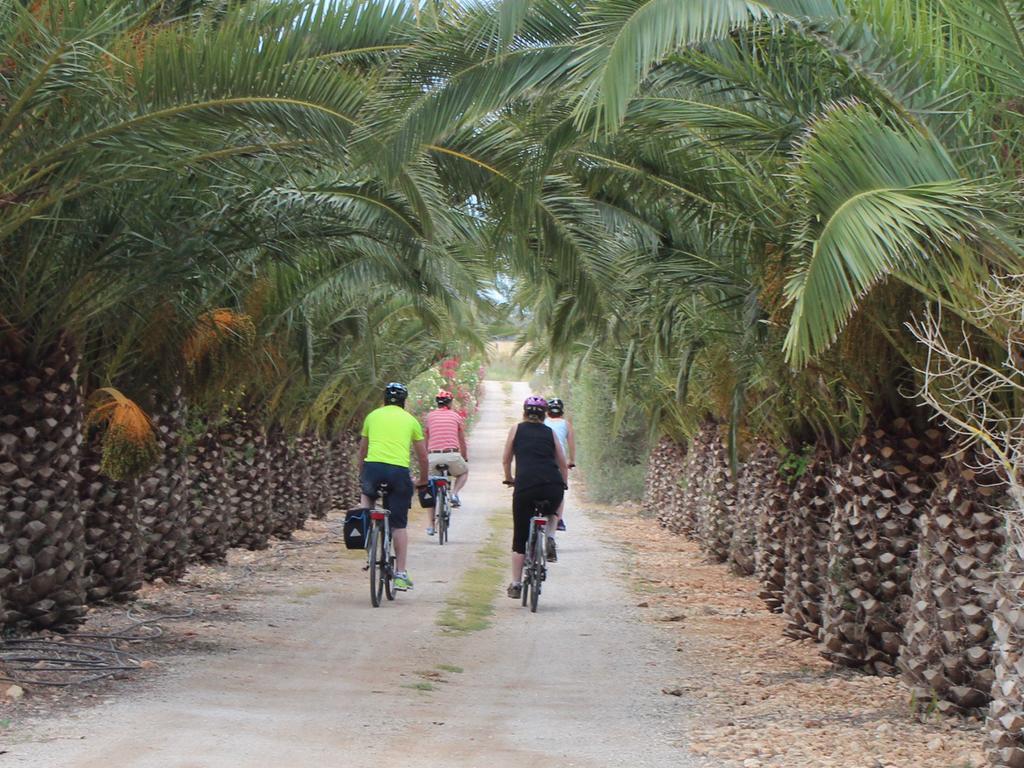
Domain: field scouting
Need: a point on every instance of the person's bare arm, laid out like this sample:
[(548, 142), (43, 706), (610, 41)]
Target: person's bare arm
[(506, 457), (420, 446), (571, 440), (563, 465), (462, 441), (364, 446)]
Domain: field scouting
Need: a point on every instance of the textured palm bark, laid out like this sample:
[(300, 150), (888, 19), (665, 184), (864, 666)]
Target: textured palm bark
[(1006, 714), (113, 537), (343, 473), (717, 504), (882, 491), (758, 542), (698, 457), (207, 500), (42, 539), (163, 496), (947, 640), (248, 501), (315, 457), (807, 549), (289, 478), (662, 489)]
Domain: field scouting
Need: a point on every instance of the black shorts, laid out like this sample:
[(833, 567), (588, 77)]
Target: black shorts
[(399, 498), (522, 510)]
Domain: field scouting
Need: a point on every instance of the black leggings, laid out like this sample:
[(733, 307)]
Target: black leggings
[(522, 510)]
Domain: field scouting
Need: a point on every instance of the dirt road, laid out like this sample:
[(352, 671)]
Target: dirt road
[(346, 685)]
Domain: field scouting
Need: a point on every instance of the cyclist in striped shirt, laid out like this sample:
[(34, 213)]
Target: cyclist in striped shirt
[(445, 433)]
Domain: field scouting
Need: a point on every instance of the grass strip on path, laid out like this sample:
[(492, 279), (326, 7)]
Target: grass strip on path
[(471, 604)]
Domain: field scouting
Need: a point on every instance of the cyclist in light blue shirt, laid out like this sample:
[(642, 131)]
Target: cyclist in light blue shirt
[(562, 428)]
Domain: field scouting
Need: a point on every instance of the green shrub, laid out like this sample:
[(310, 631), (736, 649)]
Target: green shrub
[(613, 458)]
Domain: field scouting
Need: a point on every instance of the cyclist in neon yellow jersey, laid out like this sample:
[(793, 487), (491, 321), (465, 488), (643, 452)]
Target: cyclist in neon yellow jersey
[(389, 435)]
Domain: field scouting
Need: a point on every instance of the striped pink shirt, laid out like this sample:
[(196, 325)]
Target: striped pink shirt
[(442, 427)]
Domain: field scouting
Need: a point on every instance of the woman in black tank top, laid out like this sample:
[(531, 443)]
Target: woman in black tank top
[(541, 474)]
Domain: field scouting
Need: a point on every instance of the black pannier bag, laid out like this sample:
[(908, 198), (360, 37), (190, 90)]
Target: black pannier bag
[(427, 495), (357, 528)]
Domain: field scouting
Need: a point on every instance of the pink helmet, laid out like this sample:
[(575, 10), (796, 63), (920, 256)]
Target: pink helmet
[(535, 405)]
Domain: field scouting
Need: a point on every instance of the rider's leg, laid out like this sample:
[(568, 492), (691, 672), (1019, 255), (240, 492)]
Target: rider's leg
[(365, 502), (557, 498), (401, 539), (517, 567), (460, 481), (553, 521), (522, 511), (400, 502)]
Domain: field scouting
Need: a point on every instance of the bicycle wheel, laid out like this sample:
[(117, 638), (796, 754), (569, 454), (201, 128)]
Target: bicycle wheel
[(539, 558), (447, 511), (389, 572), (527, 572), (439, 519), (376, 563)]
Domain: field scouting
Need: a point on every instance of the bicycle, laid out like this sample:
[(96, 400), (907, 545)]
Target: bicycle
[(442, 503), (380, 559), (535, 557), (535, 570)]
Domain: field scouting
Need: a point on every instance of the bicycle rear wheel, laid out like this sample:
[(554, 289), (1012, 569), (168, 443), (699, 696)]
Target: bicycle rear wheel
[(389, 572), (527, 572), (539, 558), (439, 517), (377, 562), (447, 510)]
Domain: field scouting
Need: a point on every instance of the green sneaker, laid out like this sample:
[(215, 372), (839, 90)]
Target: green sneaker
[(402, 582)]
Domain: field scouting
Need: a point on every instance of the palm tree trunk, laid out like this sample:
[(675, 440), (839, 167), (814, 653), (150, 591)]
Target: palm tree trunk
[(758, 494), (249, 509), (1006, 714), (113, 537), (42, 542), (873, 541), (806, 549), (662, 491), (315, 452), (698, 459), (344, 482), (208, 501), (163, 497), (947, 641), (716, 509), (290, 480)]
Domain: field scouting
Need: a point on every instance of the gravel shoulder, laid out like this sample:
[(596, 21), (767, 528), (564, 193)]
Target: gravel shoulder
[(284, 662), (766, 700)]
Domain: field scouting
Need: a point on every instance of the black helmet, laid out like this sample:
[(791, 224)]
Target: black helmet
[(555, 406), (443, 398), (395, 394)]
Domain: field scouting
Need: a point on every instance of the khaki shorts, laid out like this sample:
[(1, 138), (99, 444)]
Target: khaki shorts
[(456, 464)]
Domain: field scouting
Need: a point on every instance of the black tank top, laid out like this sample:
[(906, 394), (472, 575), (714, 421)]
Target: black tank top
[(534, 451)]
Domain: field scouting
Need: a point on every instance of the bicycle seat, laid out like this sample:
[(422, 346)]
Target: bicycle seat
[(542, 507), (441, 467), (383, 489)]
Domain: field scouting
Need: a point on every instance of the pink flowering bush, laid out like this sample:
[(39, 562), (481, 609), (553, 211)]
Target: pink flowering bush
[(463, 378)]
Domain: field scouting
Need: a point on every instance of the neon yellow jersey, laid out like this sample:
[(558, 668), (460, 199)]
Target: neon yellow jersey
[(391, 431)]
